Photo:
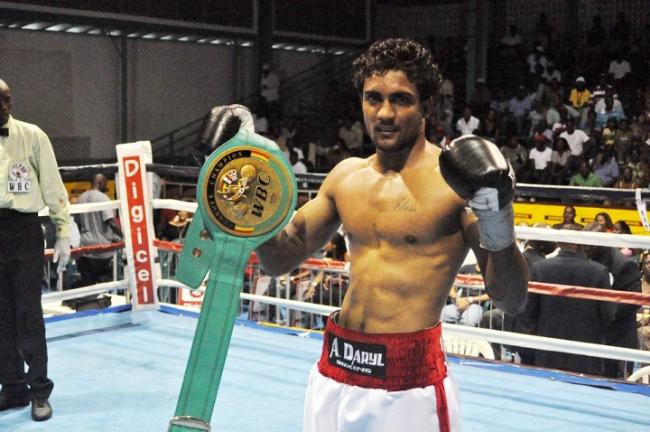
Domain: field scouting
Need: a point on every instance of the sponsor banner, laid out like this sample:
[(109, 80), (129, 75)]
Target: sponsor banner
[(137, 224), (551, 214)]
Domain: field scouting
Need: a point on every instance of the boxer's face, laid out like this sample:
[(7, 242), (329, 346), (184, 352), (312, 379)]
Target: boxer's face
[(392, 111)]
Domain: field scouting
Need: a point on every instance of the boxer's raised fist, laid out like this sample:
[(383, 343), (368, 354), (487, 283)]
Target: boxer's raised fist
[(221, 124), (477, 171)]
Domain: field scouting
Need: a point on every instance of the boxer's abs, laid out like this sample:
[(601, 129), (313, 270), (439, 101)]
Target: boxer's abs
[(395, 292)]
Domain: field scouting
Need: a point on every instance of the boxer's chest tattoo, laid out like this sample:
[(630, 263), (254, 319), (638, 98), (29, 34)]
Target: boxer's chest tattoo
[(404, 204)]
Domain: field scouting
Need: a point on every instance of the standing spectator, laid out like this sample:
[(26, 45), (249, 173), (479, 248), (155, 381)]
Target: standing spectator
[(467, 124), (569, 318), (606, 167), (585, 176), (537, 62), (597, 34), (297, 164), (270, 86), (540, 157), (621, 331), (561, 169), (96, 228), (29, 180), (644, 323)]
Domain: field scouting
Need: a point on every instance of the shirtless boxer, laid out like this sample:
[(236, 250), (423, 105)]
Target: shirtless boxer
[(382, 367)]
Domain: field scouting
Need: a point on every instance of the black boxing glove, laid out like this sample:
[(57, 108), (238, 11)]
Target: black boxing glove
[(477, 171), (221, 124)]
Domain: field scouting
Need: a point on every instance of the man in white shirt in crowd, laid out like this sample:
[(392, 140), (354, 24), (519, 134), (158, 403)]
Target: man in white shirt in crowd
[(540, 157), (467, 124), (577, 139)]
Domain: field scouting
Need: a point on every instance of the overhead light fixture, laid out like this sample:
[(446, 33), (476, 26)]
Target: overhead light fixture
[(77, 29), (150, 36), (246, 44), (32, 26), (57, 27)]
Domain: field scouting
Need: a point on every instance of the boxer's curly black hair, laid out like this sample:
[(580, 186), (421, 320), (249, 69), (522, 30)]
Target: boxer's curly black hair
[(399, 54)]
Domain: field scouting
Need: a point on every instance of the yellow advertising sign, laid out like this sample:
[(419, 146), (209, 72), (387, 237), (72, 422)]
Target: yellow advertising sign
[(552, 214), (76, 188)]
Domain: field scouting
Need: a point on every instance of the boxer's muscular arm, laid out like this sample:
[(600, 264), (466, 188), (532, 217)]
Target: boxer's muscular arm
[(310, 228), (478, 172), (505, 272)]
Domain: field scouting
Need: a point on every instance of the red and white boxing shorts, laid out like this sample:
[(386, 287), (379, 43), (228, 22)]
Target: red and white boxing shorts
[(381, 383)]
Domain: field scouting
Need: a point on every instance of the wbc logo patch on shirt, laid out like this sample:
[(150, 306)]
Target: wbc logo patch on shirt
[(357, 357), (19, 181)]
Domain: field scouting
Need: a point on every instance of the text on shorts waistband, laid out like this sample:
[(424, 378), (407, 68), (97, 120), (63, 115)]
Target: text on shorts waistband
[(390, 361)]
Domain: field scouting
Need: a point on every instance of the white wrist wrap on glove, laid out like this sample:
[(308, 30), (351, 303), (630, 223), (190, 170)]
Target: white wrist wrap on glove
[(496, 227)]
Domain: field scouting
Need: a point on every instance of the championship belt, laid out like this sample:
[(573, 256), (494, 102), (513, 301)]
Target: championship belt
[(246, 194)]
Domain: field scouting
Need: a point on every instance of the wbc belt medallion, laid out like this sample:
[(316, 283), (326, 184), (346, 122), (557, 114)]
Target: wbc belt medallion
[(246, 191)]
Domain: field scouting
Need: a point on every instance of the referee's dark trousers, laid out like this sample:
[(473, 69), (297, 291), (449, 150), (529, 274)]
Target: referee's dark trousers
[(22, 329)]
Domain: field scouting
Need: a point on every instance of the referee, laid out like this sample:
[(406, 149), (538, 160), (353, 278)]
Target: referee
[(29, 180)]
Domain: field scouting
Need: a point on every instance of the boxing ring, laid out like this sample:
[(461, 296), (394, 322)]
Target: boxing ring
[(120, 368)]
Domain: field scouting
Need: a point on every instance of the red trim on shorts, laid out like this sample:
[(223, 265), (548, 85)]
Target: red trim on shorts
[(412, 359)]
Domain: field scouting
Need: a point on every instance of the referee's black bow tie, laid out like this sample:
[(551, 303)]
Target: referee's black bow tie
[(4, 131)]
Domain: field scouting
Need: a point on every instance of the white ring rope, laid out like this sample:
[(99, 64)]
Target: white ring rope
[(83, 291), (494, 336)]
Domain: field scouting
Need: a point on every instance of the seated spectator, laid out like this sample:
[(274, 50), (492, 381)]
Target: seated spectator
[(577, 139), (540, 157), (585, 176), (606, 167), (598, 93), (481, 98), (619, 69), (608, 137), (177, 227), (467, 124), (607, 108), (622, 141), (536, 115), (626, 180), (489, 127), (580, 96), (466, 303), (561, 168), (604, 219), (516, 155), (537, 62), (590, 126), (639, 168), (568, 219), (519, 107)]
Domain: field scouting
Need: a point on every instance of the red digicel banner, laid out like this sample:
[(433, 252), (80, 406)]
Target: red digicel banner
[(137, 220)]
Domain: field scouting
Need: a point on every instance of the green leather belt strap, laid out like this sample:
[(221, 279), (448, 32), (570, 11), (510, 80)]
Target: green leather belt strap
[(246, 194)]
